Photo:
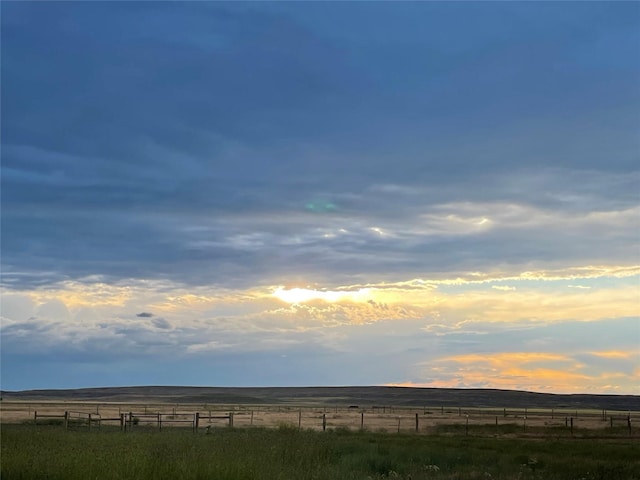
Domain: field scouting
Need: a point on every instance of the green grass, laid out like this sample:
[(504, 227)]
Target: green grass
[(49, 452)]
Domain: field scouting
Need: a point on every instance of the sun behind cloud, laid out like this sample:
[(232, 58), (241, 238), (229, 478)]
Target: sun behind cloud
[(302, 295)]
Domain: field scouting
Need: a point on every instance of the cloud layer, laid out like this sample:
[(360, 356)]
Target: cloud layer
[(290, 188)]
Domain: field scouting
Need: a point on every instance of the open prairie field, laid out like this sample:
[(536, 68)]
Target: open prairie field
[(384, 409), (426, 420), (167, 432), (30, 452)]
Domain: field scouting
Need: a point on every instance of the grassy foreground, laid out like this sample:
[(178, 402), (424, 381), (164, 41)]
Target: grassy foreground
[(47, 452)]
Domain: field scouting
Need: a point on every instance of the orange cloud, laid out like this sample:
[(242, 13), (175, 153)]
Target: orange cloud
[(615, 354), (505, 358), (534, 371)]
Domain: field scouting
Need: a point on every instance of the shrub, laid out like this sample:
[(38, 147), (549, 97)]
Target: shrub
[(288, 428)]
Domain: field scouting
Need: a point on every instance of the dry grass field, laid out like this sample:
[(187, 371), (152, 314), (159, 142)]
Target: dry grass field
[(375, 409), (373, 418), (278, 433)]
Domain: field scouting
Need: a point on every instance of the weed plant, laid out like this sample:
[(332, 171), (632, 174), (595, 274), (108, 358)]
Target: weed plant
[(50, 452)]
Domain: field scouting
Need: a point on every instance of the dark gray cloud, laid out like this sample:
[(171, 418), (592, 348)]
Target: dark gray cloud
[(161, 323), (144, 315), (185, 141)]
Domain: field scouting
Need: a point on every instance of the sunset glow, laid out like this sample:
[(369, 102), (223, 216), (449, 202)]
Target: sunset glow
[(302, 295), (439, 194)]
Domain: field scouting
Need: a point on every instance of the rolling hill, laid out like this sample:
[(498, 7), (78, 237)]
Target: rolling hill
[(338, 396)]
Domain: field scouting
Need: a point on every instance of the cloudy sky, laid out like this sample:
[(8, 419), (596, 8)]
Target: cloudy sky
[(276, 194)]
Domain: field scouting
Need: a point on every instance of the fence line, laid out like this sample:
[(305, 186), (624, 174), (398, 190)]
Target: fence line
[(388, 419)]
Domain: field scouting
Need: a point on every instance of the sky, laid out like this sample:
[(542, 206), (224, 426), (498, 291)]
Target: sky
[(340, 193)]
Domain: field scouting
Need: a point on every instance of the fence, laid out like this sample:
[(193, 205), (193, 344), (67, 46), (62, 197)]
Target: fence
[(127, 421), (388, 419)]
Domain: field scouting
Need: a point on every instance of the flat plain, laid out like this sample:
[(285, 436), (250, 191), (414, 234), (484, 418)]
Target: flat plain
[(317, 433), (390, 409)]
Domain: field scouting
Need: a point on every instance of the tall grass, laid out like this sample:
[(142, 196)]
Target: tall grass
[(49, 452)]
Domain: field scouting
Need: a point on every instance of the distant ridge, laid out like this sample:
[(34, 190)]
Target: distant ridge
[(362, 396)]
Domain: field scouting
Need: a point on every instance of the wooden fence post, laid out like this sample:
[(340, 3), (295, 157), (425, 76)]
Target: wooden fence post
[(361, 420), (251, 418), (231, 419), (417, 423), (66, 420), (572, 426), (197, 420), (35, 417), (299, 419), (324, 422), (398, 424), (122, 428), (466, 427), (89, 422)]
